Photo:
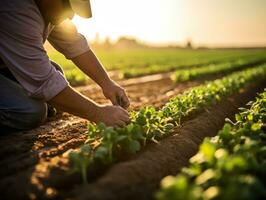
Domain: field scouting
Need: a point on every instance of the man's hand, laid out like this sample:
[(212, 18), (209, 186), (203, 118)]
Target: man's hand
[(112, 116), (91, 66), (84, 107), (116, 94)]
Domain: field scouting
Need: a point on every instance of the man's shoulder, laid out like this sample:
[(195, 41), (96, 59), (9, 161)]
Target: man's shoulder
[(21, 16), (15, 5), (26, 8)]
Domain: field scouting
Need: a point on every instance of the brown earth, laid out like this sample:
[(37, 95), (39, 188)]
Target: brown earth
[(30, 160), (25, 152), (149, 90), (139, 177)]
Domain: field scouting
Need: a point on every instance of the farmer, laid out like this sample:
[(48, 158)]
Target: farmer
[(29, 81)]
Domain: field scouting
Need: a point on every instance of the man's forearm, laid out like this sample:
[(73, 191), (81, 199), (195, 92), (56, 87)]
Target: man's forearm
[(91, 66), (75, 103)]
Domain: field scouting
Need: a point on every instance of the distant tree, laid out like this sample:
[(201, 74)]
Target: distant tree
[(189, 44), (127, 42), (107, 44)]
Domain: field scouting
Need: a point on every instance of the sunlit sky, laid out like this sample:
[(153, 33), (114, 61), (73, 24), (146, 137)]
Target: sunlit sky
[(205, 22)]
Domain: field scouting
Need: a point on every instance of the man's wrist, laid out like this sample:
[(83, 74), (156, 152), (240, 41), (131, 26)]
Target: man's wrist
[(105, 83), (91, 111)]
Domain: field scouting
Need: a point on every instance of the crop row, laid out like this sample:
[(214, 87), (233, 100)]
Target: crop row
[(77, 78), (134, 71), (150, 124), (141, 59), (228, 166), (132, 63), (213, 69)]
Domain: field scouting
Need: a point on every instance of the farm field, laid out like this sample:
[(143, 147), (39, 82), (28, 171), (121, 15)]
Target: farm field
[(178, 98), (134, 63)]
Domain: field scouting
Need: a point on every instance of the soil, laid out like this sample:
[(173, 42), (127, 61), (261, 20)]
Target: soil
[(139, 177), (143, 91), (33, 163), (25, 152)]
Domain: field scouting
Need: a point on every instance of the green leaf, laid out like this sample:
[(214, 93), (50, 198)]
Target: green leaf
[(168, 127), (141, 120), (101, 152), (256, 126), (238, 117), (205, 176), (101, 126), (208, 150), (74, 157), (235, 163), (121, 137), (227, 129), (134, 146), (250, 117), (148, 114), (91, 127), (86, 148)]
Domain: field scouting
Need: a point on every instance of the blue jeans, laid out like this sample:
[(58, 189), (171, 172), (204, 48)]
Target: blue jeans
[(17, 110)]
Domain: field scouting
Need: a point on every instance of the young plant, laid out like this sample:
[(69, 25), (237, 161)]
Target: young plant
[(231, 162), (149, 124), (80, 160)]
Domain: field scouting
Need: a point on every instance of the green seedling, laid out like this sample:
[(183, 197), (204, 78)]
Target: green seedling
[(80, 160), (149, 124), (231, 162)]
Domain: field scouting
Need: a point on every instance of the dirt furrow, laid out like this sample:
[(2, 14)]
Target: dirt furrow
[(21, 153), (138, 178), (27, 158)]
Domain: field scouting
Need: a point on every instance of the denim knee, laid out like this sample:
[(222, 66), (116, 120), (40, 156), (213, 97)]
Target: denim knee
[(17, 110), (36, 115), (24, 117)]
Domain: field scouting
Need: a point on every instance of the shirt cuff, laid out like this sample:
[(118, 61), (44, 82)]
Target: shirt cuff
[(51, 87), (54, 85)]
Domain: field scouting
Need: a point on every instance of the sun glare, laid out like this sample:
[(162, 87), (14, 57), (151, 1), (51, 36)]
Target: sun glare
[(153, 21), (175, 21)]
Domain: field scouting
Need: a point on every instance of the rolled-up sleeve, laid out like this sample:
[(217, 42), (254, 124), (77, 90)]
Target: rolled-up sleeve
[(22, 51), (66, 39)]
